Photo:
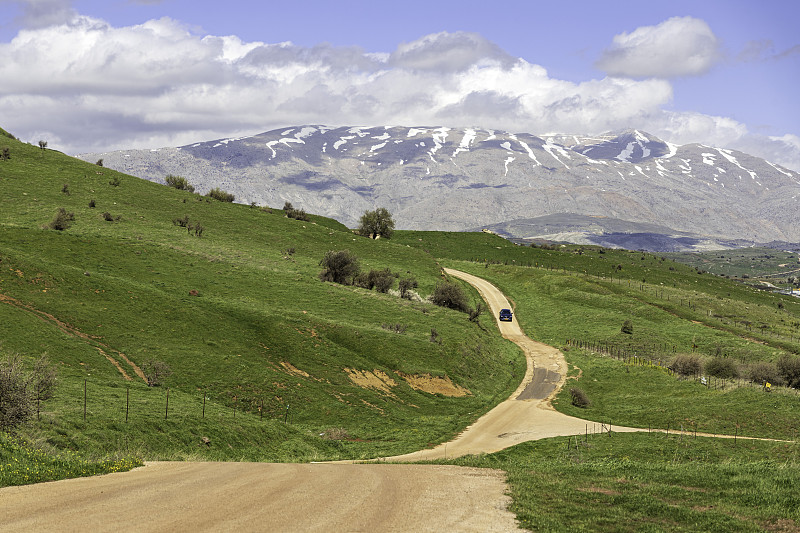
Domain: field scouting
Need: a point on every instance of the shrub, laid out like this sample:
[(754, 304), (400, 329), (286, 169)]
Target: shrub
[(114, 182), (65, 189), (335, 434), (340, 267), (380, 280), (405, 285), (155, 372), (378, 223), (6, 155), (722, 367), (20, 391), (178, 182), (476, 312), (197, 228), (92, 203), (99, 162), (451, 295), (218, 194), (42, 144), (62, 220), (789, 370), (397, 328), (627, 327), (182, 222), (687, 364), (435, 338), (763, 372), (108, 217), (579, 398), (297, 214)]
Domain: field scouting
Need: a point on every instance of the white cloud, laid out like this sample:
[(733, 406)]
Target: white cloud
[(85, 85), (679, 46), (42, 13)]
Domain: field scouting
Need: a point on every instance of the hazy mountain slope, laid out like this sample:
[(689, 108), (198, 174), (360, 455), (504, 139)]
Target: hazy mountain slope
[(456, 179)]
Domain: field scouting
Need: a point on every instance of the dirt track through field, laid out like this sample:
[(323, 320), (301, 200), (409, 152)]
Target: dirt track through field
[(168, 496)]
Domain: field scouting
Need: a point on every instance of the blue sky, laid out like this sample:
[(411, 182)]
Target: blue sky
[(94, 75)]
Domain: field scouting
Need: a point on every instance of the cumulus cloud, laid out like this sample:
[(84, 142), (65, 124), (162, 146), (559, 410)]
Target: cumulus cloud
[(679, 46), (87, 86)]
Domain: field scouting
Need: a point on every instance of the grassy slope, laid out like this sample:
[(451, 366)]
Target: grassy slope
[(125, 285)]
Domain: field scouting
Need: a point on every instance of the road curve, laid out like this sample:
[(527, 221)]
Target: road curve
[(527, 413)]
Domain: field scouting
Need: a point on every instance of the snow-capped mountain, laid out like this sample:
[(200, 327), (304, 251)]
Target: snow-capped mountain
[(460, 179)]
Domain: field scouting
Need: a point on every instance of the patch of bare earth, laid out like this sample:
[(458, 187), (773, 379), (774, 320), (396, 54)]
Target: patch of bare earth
[(377, 380), (435, 385), (293, 370)]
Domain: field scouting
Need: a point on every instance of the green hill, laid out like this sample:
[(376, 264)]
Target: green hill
[(240, 317)]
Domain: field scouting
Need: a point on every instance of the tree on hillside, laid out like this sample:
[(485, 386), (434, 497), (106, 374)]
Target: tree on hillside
[(178, 182), (340, 267), (21, 391), (378, 223)]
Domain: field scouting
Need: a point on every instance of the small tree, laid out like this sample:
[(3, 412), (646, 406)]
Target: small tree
[(687, 364), (6, 155), (405, 285), (340, 267), (451, 295), (476, 312), (789, 370), (155, 372), (62, 220), (764, 372), (99, 162), (579, 398), (722, 367), (378, 223)]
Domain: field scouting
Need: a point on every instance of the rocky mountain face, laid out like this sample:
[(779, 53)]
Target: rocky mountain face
[(437, 178)]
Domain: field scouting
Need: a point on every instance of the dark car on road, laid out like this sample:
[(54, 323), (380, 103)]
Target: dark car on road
[(506, 315)]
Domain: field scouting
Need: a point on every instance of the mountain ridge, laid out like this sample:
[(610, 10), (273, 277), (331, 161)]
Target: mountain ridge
[(458, 179)]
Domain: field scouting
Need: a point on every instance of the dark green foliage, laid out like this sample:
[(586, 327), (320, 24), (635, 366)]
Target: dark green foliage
[(65, 189), (99, 162), (378, 223), (92, 203), (764, 372), (218, 194), (722, 367), (178, 182), (687, 364), (627, 327), (380, 280), (6, 154), (406, 285), (435, 338), (789, 370), (62, 220), (451, 295), (20, 390), (291, 212), (579, 398), (340, 267), (182, 222), (115, 181), (108, 217)]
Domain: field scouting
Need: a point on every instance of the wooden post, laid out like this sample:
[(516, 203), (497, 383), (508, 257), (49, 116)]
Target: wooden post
[(84, 400), (204, 405), (127, 402), (166, 409)]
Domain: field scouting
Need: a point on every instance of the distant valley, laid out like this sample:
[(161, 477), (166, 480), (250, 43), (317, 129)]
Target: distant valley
[(622, 189)]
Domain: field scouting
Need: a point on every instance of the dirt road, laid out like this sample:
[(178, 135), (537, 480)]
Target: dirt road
[(527, 413), (169, 496), (242, 497)]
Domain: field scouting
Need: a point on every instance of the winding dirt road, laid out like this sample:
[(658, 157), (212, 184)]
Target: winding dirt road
[(168, 496)]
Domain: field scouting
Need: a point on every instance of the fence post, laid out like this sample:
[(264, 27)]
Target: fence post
[(127, 402), (204, 405), (166, 409), (84, 400)]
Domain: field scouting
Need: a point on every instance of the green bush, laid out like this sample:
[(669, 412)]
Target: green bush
[(687, 364), (405, 285), (21, 390), (579, 398), (451, 295), (179, 182), (764, 372), (789, 370), (722, 367), (218, 194), (627, 327), (340, 267)]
